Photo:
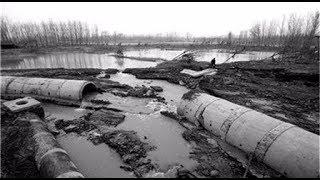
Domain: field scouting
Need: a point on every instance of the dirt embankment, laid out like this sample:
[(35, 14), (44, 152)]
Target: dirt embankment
[(286, 88)]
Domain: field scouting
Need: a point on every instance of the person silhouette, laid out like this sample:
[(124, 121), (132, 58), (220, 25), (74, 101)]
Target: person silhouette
[(213, 63)]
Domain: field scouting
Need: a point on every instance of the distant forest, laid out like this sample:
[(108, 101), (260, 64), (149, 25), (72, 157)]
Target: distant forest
[(292, 31)]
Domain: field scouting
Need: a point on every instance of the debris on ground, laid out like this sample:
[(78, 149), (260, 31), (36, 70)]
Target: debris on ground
[(17, 154), (212, 161), (90, 121), (181, 120), (139, 92), (99, 101), (77, 125), (132, 150), (59, 73), (95, 136), (157, 88), (108, 117)]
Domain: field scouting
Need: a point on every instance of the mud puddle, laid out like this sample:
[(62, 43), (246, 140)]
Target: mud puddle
[(165, 134), (94, 161)]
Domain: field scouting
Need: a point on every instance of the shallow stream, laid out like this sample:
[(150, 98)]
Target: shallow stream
[(143, 116)]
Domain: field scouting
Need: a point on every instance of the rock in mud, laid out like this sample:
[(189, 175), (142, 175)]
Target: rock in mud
[(204, 170), (110, 118), (228, 81), (214, 173), (142, 170), (141, 91), (149, 93), (126, 168), (195, 136), (98, 101), (213, 142), (61, 124), (71, 128), (172, 115), (85, 125), (182, 172), (95, 137), (77, 125), (157, 88), (53, 130)]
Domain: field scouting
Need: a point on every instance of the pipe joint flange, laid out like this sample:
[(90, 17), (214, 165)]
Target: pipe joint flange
[(233, 116), (267, 140)]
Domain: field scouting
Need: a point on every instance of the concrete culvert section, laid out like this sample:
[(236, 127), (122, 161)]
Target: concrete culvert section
[(48, 157), (290, 150), (45, 88)]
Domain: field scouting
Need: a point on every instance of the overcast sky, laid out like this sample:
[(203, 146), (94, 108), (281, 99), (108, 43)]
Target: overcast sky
[(199, 19)]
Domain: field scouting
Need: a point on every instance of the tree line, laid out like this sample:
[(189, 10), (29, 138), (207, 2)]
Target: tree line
[(44, 34), (290, 32)]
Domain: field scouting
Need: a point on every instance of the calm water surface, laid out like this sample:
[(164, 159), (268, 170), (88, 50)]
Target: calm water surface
[(104, 61)]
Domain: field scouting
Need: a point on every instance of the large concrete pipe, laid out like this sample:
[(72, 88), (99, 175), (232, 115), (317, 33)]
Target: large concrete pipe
[(60, 90), (52, 161), (290, 150)]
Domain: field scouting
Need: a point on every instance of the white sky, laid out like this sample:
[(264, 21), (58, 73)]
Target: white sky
[(199, 19)]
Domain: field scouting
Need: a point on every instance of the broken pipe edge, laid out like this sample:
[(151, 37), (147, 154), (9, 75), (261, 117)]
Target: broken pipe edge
[(52, 161), (60, 91), (290, 150)]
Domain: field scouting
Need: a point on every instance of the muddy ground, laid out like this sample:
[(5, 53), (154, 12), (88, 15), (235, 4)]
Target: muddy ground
[(285, 88)]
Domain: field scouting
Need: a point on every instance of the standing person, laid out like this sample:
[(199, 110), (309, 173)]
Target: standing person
[(213, 63)]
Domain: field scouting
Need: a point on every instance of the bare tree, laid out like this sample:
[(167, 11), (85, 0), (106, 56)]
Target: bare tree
[(311, 29)]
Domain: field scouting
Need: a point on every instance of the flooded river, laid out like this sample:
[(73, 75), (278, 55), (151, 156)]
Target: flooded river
[(104, 61)]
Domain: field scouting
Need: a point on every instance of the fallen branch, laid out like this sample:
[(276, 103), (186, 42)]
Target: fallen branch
[(237, 52)]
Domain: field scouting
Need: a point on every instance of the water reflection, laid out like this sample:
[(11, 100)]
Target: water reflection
[(78, 60), (222, 55), (104, 61), (154, 53)]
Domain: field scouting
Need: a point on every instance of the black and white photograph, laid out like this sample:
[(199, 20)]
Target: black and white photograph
[(160, 89)]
